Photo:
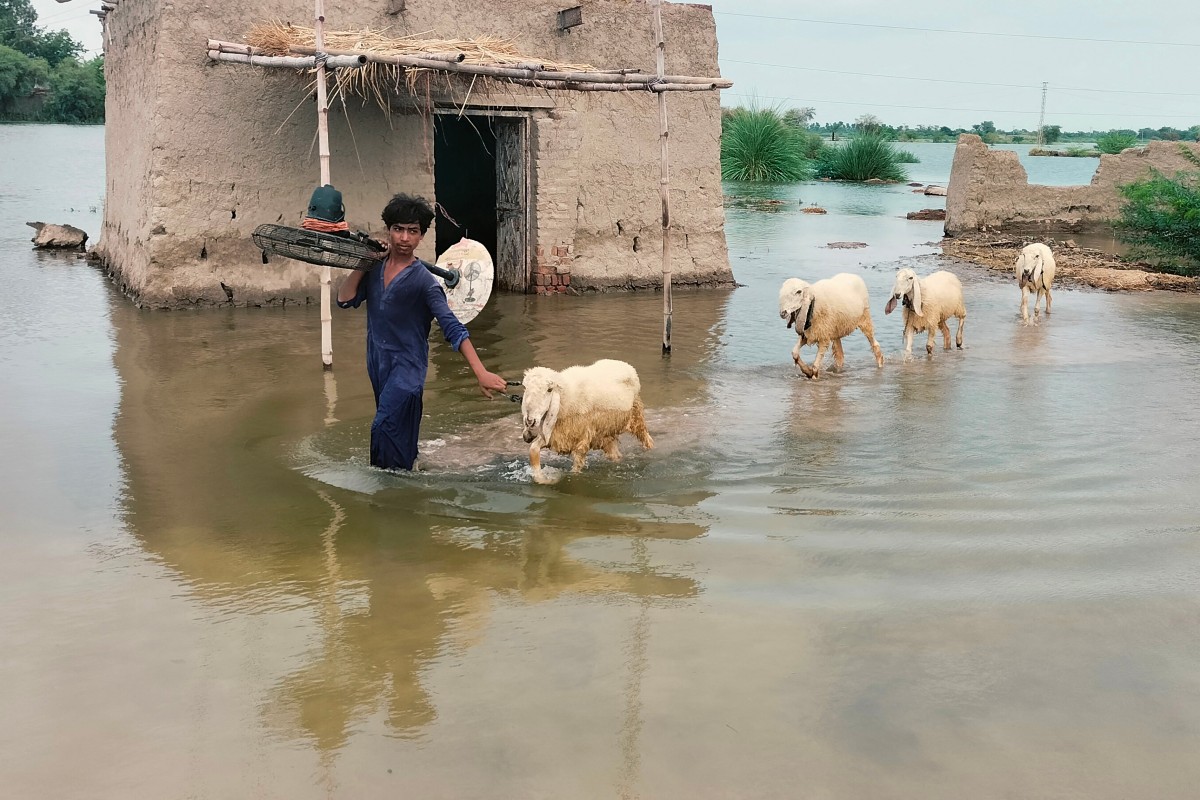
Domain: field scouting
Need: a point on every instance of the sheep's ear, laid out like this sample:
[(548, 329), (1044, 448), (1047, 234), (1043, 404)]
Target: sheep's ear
[(808, 315), (551, 415), (916, 298), (1036, 280)]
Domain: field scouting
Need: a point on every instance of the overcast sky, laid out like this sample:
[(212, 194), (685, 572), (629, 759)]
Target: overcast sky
[(935, 77)]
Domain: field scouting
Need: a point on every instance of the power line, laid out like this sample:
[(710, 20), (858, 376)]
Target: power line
[(950, 80), (807, 100), (955, 31)]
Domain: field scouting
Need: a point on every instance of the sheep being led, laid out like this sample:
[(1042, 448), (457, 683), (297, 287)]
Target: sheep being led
[(824, 312), (928, 303), (1035, 272), (581, 409)]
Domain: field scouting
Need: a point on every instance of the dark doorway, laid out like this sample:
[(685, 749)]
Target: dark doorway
[(464, 180), (480, 180)]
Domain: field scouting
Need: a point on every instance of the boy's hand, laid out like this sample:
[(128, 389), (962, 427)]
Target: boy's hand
[(491, 382)]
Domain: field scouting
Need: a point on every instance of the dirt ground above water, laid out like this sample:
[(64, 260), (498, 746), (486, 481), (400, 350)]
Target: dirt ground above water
[(1077, 266)]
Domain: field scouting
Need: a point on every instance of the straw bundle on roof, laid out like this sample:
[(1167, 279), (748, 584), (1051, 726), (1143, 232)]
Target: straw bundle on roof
[(378, 79)]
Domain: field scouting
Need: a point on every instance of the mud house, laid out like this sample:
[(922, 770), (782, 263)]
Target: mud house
[(561, 185)]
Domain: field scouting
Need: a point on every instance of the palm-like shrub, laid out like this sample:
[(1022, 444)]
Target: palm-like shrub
[(757, 145), (861, 159), (1161, 218)]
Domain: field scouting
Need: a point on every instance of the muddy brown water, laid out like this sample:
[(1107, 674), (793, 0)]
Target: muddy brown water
[(972, 575)]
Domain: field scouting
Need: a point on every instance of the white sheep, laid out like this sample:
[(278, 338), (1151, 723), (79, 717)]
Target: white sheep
[(1035, 272), (581, 409), (824, 312), (928, 303)]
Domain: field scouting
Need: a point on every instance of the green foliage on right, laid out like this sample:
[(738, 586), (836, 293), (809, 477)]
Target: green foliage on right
[(861, 159), (1161, 219), (1114, 142), (758, 146)]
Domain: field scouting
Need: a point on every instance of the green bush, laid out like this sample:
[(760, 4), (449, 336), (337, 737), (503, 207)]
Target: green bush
[(76, 92), (860, 159), (906, 156), (1115, 141), (1160, 218), (757, 145)]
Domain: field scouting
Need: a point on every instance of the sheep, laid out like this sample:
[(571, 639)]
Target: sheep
[(824, 312), (581, 409), (928, 303), (1035, 272)]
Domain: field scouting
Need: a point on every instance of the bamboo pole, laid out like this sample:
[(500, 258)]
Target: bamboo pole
[(664, 184), (294, 62), (517, 72), (323, 150)]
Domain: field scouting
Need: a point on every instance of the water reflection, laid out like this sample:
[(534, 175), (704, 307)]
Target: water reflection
[(390, 584)]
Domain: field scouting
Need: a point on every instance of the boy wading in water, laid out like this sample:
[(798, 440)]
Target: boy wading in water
[(403, 298)]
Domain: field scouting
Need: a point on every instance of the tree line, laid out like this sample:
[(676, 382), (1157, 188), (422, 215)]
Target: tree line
[(987, 130), (43, 77)]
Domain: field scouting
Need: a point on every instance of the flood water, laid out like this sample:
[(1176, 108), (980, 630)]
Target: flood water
[(966, 576)]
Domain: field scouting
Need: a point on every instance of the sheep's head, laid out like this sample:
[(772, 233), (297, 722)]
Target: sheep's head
[(1029, 269), (540, 403), (796, 303), (907, 289)]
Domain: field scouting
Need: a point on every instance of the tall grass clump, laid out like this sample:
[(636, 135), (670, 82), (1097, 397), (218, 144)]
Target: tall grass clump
[(862, 158), (1160, 218), (1114, 142), (906, 156), (758, 146)]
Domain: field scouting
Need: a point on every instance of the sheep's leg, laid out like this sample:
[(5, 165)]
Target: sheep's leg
[(804, 368), (1025, 305), (962, 323), (908, 337), (839, 358), (945, 329), (535, 462), (868, 328), (932, 330), (1047, 301), (610, 449), (579, 456), (637, 425), (816, 367)]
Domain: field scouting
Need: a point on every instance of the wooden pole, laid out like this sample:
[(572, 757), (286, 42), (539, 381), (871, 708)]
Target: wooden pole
[(323, 150), (664, 183)]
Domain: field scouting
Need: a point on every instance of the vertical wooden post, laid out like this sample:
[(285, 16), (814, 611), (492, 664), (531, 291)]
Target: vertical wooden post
[(664, 183), (323, 150)]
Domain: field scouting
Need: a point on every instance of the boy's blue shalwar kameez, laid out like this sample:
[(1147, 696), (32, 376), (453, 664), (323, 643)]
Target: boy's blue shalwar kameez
[(398, 323)]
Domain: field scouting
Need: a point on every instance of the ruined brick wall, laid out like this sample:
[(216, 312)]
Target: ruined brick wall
[(990, 189)]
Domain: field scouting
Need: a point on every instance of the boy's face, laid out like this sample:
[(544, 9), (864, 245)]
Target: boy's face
[(404, 238)]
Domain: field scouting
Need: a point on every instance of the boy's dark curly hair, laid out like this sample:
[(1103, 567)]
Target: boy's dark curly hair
[(406, 208)]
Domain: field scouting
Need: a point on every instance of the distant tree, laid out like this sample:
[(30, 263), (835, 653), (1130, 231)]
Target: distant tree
[(1194, 132), (1168, 133), (869, 124), (19, 74), (800, 117), (984, 128), (77, 91), (19, 30), (1051, 133)]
